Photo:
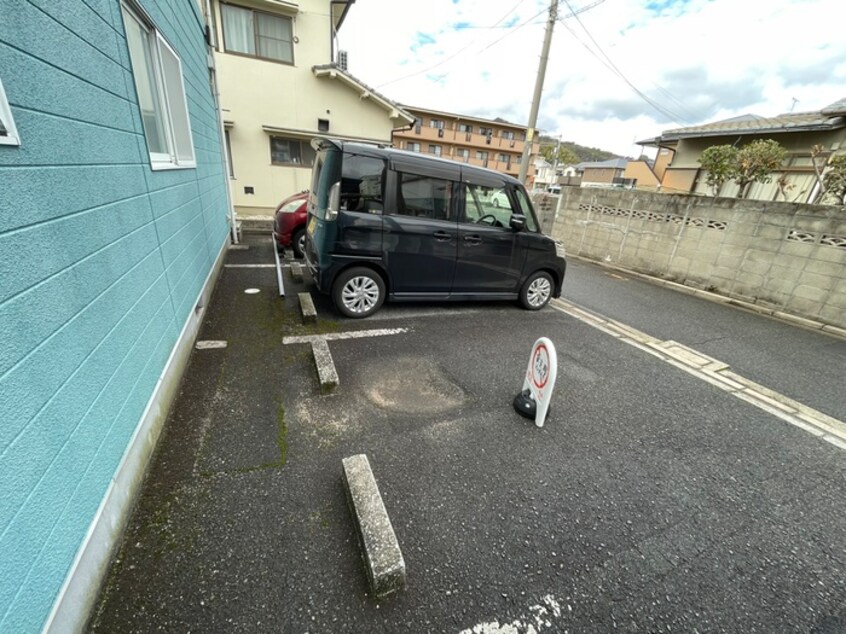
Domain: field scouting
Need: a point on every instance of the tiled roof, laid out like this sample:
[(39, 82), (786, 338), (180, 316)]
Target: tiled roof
[(617, 163), (838, 107), (757, 125), (825, 119)]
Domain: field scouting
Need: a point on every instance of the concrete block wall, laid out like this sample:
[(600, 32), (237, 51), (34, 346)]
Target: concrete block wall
[(102, 261), (784, 256)]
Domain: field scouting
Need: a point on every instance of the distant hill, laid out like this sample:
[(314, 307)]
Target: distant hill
[(585, 154)]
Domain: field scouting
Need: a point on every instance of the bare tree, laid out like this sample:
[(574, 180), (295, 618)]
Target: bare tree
[(835, 179), (819, 158)]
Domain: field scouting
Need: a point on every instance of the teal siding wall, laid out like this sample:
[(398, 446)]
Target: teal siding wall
[(101, 264)]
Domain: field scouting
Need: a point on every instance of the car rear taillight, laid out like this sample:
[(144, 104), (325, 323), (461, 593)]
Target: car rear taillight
[(334, 201)]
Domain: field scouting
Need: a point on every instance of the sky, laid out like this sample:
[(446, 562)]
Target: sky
[(619, 71)]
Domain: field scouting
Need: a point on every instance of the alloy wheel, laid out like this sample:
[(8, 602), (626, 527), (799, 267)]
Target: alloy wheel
[(539, 292), (360, 294)]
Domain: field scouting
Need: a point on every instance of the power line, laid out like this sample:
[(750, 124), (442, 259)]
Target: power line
[(581, 9), (498, 40), (461, 50), (609, 63)]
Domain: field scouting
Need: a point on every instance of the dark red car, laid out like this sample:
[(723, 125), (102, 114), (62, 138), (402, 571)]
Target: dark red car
[(289, 223)]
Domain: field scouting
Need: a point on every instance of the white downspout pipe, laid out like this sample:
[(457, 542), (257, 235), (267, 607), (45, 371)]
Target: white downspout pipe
[(233, 222)]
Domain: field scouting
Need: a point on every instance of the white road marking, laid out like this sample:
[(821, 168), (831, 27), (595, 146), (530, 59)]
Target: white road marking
[(251, 266), (210, 344), (239, 247), (540, 617), (252, 291), (716, 373), (334, 336)]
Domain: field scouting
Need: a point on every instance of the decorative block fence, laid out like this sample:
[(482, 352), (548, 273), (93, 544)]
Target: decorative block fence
[(784, 256)]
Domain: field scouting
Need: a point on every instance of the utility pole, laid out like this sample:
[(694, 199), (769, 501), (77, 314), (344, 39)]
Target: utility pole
[(533, 115), (555, 162)]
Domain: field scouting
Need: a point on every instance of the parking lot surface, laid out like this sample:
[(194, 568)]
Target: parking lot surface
[(650, 501)]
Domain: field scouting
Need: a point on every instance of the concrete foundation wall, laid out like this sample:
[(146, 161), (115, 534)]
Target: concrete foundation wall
[(785, 256)]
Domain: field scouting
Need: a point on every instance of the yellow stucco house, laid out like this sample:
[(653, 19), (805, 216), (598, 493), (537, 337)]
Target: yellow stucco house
[(280, 87)]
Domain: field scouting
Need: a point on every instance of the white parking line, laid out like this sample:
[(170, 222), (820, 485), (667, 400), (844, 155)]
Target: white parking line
[(326, 372), (716, 373), (545, 615), (210, 344), (334, 336)]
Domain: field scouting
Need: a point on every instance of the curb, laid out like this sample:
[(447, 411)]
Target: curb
[(255, 224), (773, 313)]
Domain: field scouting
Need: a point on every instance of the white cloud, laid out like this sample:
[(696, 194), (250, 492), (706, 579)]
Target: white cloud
[(697, 60)]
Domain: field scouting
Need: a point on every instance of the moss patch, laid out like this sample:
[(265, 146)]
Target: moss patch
[(281, 443)]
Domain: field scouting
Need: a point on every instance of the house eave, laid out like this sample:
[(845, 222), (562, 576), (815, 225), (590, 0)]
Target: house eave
[(364, 92), (307, 135)]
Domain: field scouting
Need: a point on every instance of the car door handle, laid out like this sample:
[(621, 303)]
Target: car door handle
[(440, 236), (473, 239)]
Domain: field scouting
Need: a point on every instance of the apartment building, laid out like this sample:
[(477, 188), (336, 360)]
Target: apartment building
[(495, 144)]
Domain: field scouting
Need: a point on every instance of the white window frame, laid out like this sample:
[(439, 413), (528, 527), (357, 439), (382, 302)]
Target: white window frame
[(11, 137), (168, 104)]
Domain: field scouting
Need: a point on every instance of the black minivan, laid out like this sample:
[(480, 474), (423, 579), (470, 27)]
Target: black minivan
[(389, 223)]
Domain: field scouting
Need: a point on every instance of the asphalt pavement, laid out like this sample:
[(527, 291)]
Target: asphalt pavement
[(807, 365), (650, 501)]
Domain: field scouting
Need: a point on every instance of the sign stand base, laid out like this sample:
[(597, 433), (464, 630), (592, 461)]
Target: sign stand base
[(525, 405)]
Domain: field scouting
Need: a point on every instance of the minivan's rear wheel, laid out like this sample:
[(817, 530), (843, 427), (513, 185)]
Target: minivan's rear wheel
[(298, 242), (358, 292), (537, 291)]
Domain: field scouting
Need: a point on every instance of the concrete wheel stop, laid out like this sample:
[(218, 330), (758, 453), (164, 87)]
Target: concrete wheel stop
[(380, 550)]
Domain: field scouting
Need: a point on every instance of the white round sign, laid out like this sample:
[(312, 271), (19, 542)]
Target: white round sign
[(540, 377)]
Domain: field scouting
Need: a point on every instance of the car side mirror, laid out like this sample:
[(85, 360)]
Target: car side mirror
[(518, 222)]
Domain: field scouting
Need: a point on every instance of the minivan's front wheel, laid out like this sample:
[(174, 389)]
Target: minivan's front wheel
[(537, 291), (358, 292)]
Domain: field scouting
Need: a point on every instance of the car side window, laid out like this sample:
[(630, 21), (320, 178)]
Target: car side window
[(362, 184), (424, 196), (487, 205)]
